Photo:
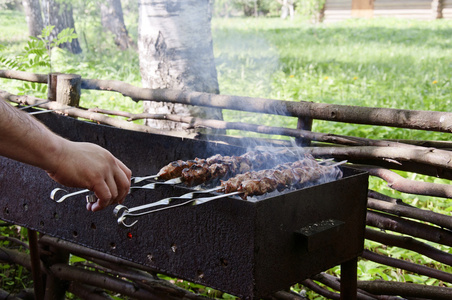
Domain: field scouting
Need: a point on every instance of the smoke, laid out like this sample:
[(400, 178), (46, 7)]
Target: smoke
[(245, 62)]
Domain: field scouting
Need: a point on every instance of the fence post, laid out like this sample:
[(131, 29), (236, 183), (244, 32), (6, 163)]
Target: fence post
[(68, 89), (304, 123), (51, 86)]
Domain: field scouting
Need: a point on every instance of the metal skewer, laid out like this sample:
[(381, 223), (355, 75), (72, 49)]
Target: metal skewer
[(42, 111), (198, 201), (139, 179), (133, 211), (66, 196), (33, 105), (92, 198)]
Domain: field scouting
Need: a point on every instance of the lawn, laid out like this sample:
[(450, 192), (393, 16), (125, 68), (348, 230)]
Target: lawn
[(377, 63)]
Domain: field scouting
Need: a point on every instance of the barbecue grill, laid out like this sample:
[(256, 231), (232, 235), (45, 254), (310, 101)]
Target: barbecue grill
[(246, 248)]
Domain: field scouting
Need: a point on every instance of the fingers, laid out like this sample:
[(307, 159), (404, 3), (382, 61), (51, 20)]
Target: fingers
[(112, 190)]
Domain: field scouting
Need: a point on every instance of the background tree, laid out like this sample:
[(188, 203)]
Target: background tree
[(112, 19), (175, 52), (59, 14), (287, 8), (33, 14)]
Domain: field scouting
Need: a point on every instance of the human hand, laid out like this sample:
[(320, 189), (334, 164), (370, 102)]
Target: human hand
[(86, 165)]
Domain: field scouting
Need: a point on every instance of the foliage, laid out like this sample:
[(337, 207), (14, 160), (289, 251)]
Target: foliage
[(36, 56), (310, 8), (13, 278)]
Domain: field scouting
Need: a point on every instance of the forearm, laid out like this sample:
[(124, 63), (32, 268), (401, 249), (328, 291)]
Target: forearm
[(25, 139), (73, 164)]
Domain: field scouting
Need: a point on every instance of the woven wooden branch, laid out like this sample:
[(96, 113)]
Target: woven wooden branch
[(82, 113), (405, 289), (282, 295), (334, 283), (309, 283), (401, 184), (411, 212), (297, 133), (24, 76), (15, 257), (84, 291), (404, 226), (406, 265), (70, 273), (88, 253), (435, 121), (428, 156), (379, 196), (409, 243), (15, 241)]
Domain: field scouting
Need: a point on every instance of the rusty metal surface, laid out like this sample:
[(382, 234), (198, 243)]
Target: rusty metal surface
[(244, 248)]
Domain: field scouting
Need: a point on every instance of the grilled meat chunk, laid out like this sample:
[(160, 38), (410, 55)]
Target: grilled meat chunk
[(196, 174), (283, 176)]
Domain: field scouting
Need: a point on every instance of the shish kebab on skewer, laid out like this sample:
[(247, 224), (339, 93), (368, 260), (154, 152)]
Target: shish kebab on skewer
[(197, 171), (253, 160), (283, 176), (289, 175)]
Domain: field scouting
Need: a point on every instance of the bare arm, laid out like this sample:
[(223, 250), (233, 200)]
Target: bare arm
[(73, 164)]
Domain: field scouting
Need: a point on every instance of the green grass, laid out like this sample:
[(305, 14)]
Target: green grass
[(377, 63)]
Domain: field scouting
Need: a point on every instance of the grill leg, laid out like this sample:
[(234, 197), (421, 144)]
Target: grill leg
[(349, 285)]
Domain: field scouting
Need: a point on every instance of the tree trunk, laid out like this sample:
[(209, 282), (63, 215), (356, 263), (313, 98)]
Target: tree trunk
[(32, 10), (175, 51), (60, 15), (112, 19)]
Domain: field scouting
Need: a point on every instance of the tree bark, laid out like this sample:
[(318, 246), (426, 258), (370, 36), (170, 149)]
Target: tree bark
[(112, 19), (60, 15), (175, 52), (33, 15)]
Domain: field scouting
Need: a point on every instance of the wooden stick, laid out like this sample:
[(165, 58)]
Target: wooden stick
[(428, 156), (405, 289), (408, 266), (217, 124), (407, 242), (401, 184), (404, 226), (411, 212), (77, 112)]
